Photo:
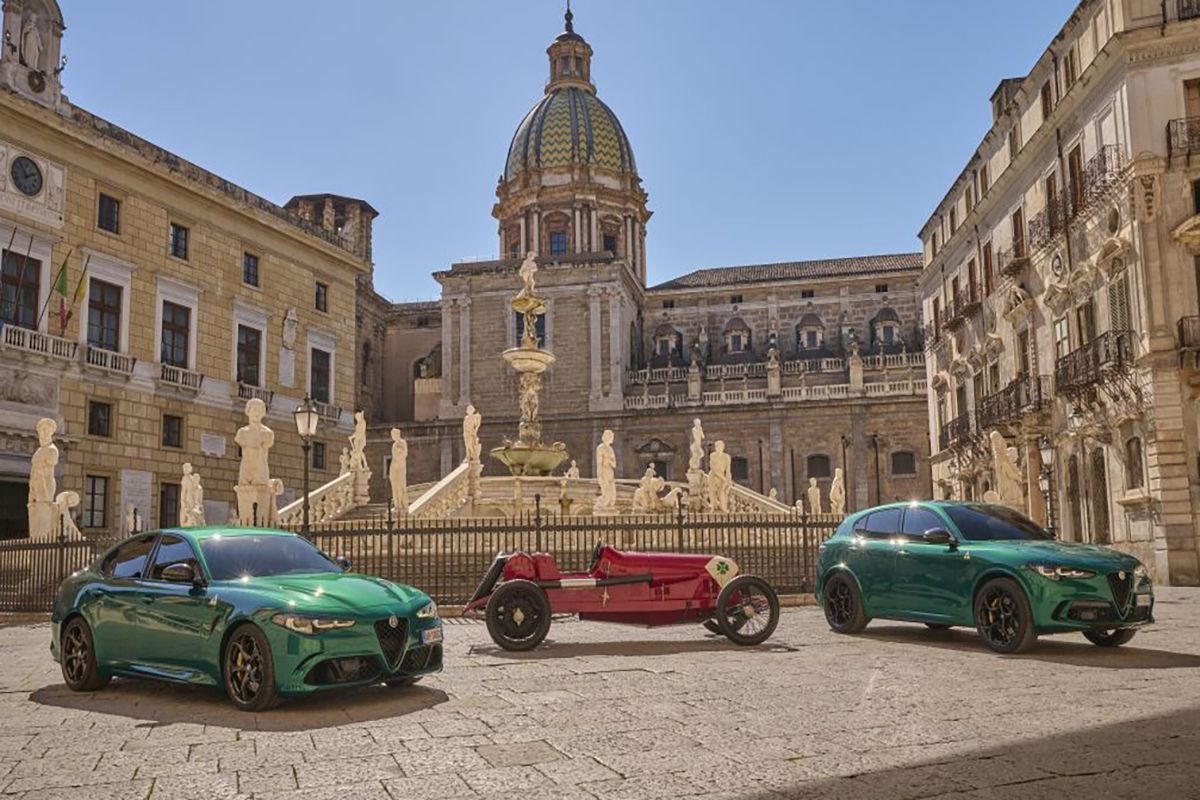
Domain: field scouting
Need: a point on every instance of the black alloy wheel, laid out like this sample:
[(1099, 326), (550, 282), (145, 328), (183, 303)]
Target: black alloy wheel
[(77, 656), (250, 670), (1111, 638), (843, 605), (1003, 617), (518, 615), (747, 610)]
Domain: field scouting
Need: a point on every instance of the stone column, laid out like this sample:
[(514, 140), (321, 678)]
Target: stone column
[(614, 344), (524, 238), (596, 244), (449, 398), (629, 243), (595, 382), (464, 342), (578, 230), (537, 231), (1033, 471)]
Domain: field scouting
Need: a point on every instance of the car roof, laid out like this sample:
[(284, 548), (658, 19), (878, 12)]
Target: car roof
[(208, 532)]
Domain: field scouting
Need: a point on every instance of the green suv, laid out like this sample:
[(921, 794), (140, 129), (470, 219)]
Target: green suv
[(985, 566)]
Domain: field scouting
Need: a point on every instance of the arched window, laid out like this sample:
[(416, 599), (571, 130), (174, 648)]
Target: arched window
[(904, 462), (739, 469), (1135, 465), (819, 466)]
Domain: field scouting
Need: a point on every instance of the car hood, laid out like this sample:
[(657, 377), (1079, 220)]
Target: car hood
[(1076, 554), (337, 592)]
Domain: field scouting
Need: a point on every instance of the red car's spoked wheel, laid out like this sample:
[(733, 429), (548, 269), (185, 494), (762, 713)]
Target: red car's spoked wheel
[(518, 615), (747, 610)]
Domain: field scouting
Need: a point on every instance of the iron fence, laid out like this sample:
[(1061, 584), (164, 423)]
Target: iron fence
[(447, 558)]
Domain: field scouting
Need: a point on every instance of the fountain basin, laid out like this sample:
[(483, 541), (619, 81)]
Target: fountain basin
[(528, 359), (524, 459)]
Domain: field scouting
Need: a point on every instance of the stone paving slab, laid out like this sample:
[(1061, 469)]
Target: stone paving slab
[(604, 712)]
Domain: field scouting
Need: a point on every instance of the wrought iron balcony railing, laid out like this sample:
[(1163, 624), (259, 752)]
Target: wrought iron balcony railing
[(1093, 364), (1013, 262), (956, 433), (1047, 224), (1183, 137), (1188, 9), (932, 334), (1189, 338), (1023, 394), (1101, 173)]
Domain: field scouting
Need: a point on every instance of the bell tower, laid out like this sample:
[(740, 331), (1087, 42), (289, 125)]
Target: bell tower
[(31, 60)]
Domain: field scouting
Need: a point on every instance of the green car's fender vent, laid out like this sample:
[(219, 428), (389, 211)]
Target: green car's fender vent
[(392, 638), (423, 658)]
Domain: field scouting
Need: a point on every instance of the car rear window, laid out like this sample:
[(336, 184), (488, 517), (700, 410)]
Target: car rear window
[(992, 523), (884, 522), (129, 559)]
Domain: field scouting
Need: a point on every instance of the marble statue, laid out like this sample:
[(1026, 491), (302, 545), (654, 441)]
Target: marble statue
[(358, 442), (1008, 475), (272, 516), (344, 461), (527, 272), (191, 499), (573, 470), (63, 503), (702, 341), (287, 353), (606, 474), (291, 322), (837, 494), (645, 497), (720, 478), (42, 483), (31, 44), (814, 497), (799, 506), (254, 475), (398, 472), (470, 431), (773, 494), (696, 453)]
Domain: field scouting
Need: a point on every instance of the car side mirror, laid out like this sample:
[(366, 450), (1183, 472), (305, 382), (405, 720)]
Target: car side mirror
[(343, 562), (182, 573), (937, 536)]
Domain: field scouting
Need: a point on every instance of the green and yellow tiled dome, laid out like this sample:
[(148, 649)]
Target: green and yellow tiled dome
[(569, 124)]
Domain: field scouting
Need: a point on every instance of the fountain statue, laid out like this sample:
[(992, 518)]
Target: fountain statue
[(528, 455)]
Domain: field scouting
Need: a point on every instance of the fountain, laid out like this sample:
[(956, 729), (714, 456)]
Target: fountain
[(528, 456)]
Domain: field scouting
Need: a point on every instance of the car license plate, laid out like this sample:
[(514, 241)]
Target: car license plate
[(431, 635), (1144, 600)]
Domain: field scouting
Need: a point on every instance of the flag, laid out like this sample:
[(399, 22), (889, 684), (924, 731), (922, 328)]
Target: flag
[(60, 287), (78, 296)]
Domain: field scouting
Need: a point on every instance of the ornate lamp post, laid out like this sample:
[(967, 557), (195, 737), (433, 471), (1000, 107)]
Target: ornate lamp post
[(846, 468), (307, 420), (1045, 480)]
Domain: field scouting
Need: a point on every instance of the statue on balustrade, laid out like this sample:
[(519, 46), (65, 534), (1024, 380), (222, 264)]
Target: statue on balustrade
[(42, 483), (606, 475), (191, 499), (814, 497), (253, 488), (720, 478), (358, 458), (63, 503), (470, 431), (837, 494), (398, 473), (696, 452)]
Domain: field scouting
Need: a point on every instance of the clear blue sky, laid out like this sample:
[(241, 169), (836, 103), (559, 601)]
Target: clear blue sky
[(764, 131)]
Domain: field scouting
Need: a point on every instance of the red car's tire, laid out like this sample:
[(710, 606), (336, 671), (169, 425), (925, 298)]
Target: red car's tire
[(518, 615), (77, 657), (741, 606)]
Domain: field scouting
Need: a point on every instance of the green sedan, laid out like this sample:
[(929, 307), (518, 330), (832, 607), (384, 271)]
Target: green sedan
[(982, 566), (262, 613)]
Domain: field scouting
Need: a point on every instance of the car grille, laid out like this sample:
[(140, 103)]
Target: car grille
[(343, 670), (422, 658), (1121, 588), (392, 640)]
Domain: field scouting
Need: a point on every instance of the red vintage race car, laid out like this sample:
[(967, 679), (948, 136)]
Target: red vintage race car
[(521, 591)]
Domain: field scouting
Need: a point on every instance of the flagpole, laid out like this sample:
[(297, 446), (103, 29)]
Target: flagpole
[(57, 276)]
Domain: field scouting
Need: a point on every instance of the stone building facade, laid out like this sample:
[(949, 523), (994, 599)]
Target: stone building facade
[(1060, 288), (802, 367), (144, 299)]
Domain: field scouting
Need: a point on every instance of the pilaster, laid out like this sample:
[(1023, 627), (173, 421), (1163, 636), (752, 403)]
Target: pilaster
[(464, 342)]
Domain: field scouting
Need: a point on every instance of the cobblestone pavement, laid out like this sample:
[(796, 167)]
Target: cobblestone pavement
[(609, 712)]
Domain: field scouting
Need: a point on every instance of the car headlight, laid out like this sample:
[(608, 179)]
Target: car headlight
[(310, 625), (428, 612), (1140, 573), (1057, 572)]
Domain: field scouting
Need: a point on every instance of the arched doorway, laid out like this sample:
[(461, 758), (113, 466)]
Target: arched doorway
[(1074, 506), (1100, 532)]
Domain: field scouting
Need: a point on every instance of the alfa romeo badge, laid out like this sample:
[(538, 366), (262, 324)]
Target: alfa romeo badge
[(393, 621)]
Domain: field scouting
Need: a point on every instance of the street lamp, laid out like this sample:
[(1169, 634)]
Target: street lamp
[(307, 419), (1046, 448), (846, 470)]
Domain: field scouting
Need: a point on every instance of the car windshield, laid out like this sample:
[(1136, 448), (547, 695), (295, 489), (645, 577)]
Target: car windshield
[(991, 523), (232, 557)]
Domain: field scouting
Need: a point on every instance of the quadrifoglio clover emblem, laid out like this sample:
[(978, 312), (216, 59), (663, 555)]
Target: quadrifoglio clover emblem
[(723, 567)]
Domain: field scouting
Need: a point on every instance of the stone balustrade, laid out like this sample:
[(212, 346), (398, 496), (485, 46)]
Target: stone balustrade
[(110, 360), (180, 377), (38, 343), (906, 387), (325, 503)]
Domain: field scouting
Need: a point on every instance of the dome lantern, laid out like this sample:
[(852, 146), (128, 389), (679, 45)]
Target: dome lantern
[(570, 59)]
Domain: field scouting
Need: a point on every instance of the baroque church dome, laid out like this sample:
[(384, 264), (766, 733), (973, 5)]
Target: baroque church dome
[(570, 124)]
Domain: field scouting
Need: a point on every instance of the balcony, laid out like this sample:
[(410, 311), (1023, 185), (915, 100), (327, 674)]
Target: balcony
[(1183, 138), (247, 392), (1046, 225), (1188, 9), (1189, 338), (958, 432), (328, 412), (109, 360), (1093, 365), (932, 334), (38, 343), (180, 378), (1101, 173), (1014, 262), (1024, 394)]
